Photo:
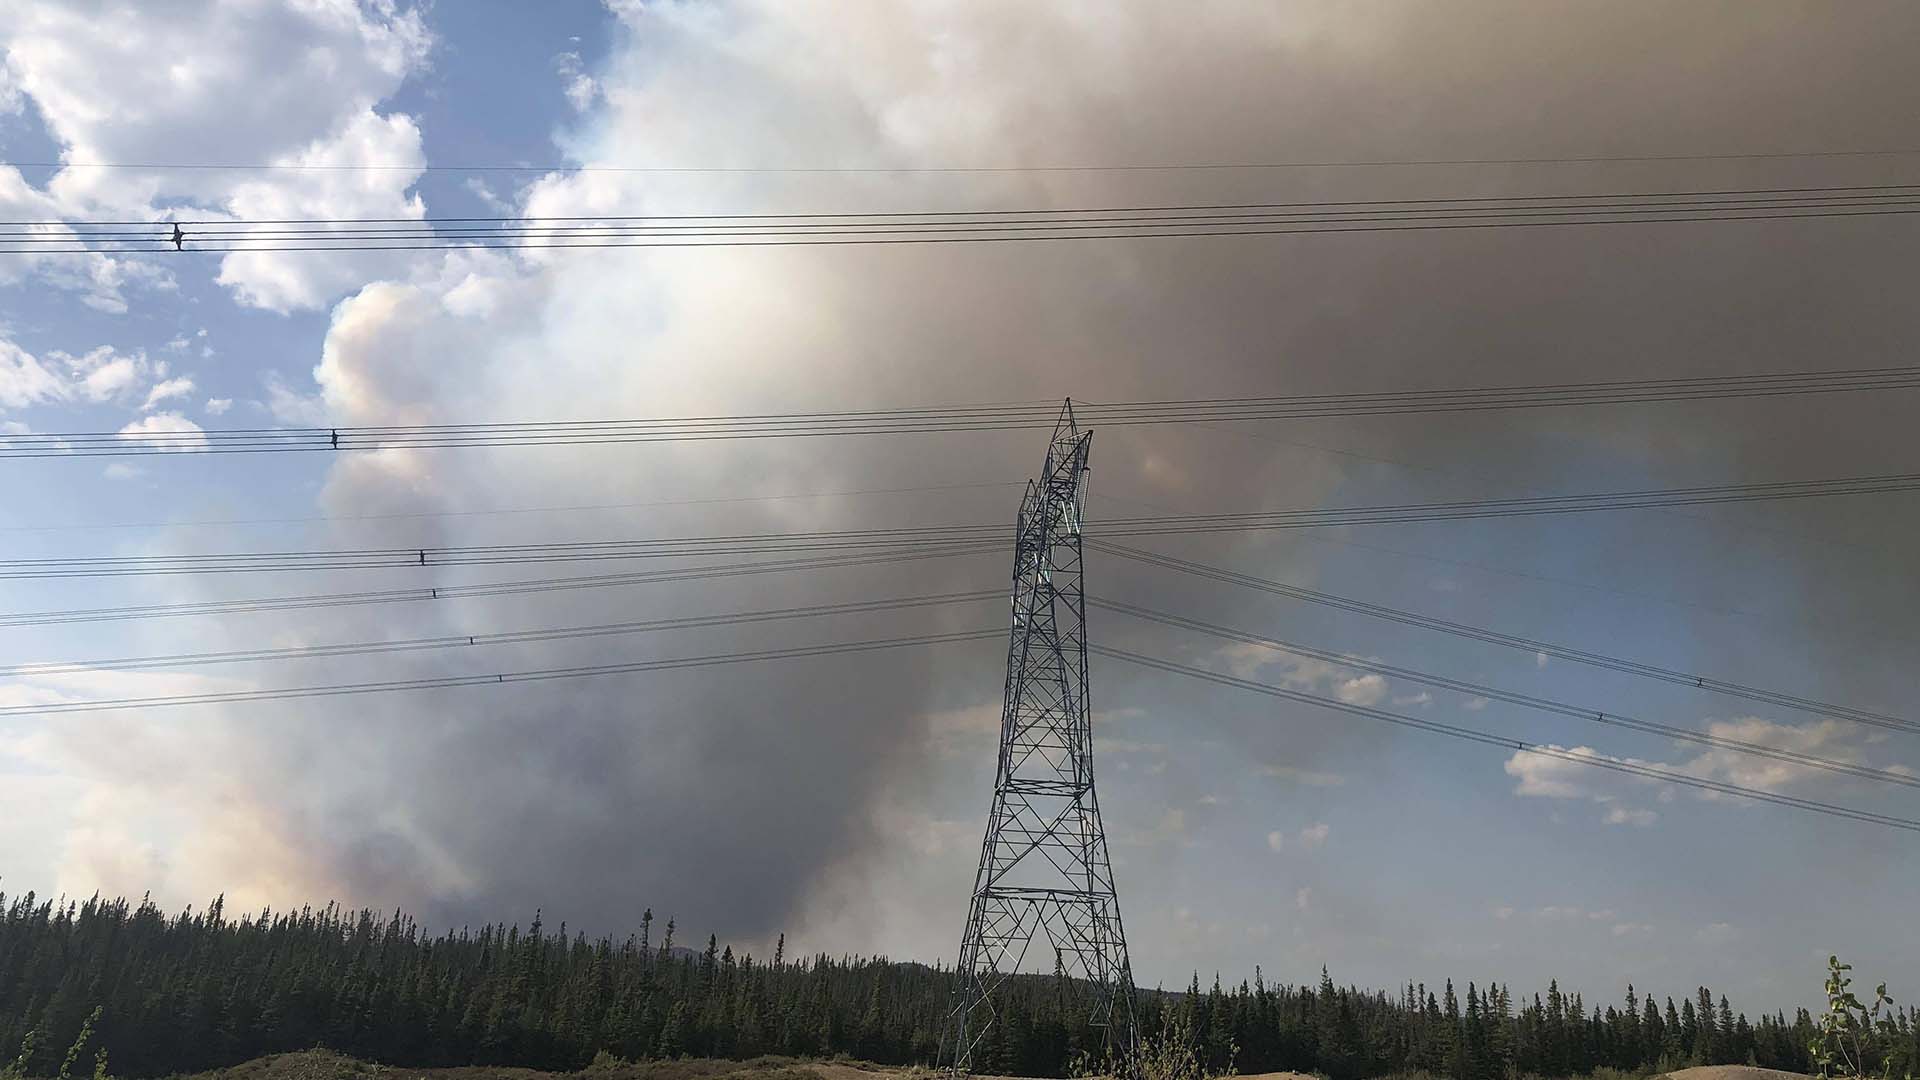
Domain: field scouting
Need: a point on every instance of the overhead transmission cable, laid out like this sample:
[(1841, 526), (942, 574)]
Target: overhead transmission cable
[(955, 226), (692, 622), (1167, 166), (1531, 646), (1643, 770), (494, 678), (950, 536), (566, 508), (312, 601), (510, 637), (837, 648), (1529, 701), (958, 418)]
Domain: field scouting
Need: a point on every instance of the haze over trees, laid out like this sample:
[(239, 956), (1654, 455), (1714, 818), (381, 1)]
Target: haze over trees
[(199, 990)]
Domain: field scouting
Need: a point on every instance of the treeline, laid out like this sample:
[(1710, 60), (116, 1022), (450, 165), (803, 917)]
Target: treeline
[(196, 991)]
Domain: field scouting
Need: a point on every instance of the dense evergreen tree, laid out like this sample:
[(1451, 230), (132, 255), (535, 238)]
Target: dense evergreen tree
[(196, 991)]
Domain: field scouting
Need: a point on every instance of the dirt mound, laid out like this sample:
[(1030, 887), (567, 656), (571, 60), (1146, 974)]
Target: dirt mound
[(1729, 1072), (327, 1065)]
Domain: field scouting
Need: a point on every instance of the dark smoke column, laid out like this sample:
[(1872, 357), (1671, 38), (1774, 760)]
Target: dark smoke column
[(1045, 879)]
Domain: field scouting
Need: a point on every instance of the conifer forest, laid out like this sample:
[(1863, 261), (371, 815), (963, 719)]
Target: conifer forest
[(199, 990)]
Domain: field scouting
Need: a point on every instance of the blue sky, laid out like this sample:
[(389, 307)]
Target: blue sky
[(840, 801)]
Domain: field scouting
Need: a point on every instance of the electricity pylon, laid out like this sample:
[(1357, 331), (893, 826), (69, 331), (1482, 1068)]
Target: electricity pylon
[(1044, 876)]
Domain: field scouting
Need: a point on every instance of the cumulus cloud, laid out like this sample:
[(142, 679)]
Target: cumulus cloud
[(1629, 815), (293, 85), (178, 386), (580, 87), (1308, 838), (1832, 739), (1361, 690), (183, 433), (24, 380), (1564, 776), (99, 376), (1557, 777)]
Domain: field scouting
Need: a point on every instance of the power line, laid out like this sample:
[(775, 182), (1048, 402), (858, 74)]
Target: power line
[(227, 523), (932, 536), (498, 678), (511, 637), (963, 226), (1172, 166), (312, 601), (589, 671), (1513, 641), (881, 238), (161, 229), (459, 641), (1462, 686), (957, 418), (1621, 765)]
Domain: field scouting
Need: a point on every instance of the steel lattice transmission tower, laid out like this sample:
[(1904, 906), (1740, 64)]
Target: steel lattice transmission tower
[(1045, 878)]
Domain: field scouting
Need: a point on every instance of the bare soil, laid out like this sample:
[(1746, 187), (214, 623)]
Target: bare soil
[(1729, 1072), (327, 1065)]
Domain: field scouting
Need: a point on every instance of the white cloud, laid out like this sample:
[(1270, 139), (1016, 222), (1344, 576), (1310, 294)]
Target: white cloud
[(100, 280), (1540, 659), (1361, 690), (581, 89), (24, 380), (104, 374), (1474, 704), (279, 282), (1559, 777), (248, 95), (1552, 776), (166, 423), (1313, 836), (179, 386), (1628, 815), (99, 376), (1563, 776), (1833, 739), (1503, 912), (1625, 929), (120, 470), (484, 192), (1421, 698), (1276, 840), (218, 406)]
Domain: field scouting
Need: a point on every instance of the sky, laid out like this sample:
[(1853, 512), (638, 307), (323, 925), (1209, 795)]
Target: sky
[(839, 800)]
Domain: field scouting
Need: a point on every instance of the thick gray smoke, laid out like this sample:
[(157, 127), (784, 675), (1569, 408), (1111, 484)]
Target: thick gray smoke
[(838, 799)]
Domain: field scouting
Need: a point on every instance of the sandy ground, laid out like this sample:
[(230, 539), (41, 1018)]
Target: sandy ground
[(1731, 1072), (325, 1065)]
